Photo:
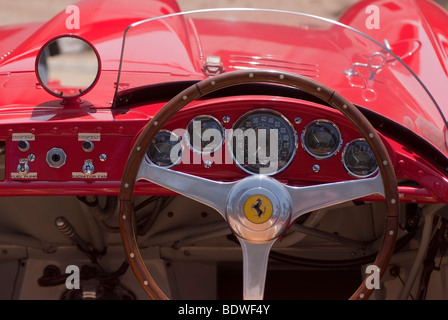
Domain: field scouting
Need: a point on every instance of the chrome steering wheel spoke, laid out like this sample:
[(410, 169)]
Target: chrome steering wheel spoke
[(209, 192), (310, 198), (255, 263)]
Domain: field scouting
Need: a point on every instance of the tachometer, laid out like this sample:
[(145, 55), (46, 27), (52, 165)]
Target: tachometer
[(263, 141), (321, 139), (205, 134), (358, 159), (165, 149)]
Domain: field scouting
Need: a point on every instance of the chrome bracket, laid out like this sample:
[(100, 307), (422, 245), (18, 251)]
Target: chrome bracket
[(376, 62), (212, 66)]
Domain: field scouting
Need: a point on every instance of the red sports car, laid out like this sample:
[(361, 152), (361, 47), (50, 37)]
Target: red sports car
[(152, 153)]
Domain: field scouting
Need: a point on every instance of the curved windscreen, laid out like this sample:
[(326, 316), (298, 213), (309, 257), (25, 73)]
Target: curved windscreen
[(192, 46)]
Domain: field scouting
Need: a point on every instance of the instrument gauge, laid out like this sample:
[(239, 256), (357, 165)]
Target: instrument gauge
[(205, 134), (358, 159), (165, 149), (263, 141), (321, 139)]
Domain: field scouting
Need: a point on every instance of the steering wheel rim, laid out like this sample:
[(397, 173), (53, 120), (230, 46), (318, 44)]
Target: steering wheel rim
[(240, 77)]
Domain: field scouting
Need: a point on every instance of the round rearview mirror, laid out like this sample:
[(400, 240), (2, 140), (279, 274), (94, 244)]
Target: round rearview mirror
[(68, 66)]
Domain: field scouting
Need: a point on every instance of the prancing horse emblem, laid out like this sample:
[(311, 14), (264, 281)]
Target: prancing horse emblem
[(258, 208)]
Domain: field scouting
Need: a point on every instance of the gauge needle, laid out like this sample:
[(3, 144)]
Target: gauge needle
[(356, 158), (257, 151)]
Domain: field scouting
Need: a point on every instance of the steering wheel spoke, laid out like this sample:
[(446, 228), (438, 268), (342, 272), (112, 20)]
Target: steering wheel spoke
[(255, 264), (209, 192), (311, 198)]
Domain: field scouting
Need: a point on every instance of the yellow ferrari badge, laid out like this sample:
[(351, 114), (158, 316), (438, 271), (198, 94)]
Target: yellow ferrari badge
[(258, 208)]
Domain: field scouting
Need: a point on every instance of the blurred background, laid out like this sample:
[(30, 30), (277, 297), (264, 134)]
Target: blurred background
[(19, 11)]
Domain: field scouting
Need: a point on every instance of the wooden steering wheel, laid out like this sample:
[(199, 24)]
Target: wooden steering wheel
[(229, 198)]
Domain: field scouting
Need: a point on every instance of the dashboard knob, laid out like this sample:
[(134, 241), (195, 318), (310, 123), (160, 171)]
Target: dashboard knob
[(23, 168), (87, 146), (88, 168), (31, 157), (23, 145)]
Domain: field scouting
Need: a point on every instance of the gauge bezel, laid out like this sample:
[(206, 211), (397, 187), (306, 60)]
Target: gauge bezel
[(278, 114), (345, 165), (148, 159), (306, 148), (187, 135)]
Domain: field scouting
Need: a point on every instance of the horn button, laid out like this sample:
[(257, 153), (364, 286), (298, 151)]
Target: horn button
[(259, 208)]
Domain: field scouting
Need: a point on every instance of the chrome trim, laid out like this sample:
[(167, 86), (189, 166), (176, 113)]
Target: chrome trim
[(255, 263), (315, 197), (281, 208), (209, 192), (257, 239)]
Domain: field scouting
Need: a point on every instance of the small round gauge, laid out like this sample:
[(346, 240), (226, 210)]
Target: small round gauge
[(205, 134), (321, 139), (358, 159), (165, 149), (263, 141)]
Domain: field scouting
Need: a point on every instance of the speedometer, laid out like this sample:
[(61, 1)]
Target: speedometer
[(263, 141)]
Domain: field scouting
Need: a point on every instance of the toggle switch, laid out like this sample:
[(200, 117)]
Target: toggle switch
[(23, 168), (88, 168)]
